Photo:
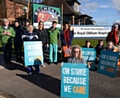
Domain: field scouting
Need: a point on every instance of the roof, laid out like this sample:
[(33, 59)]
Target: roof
[(23, 2), (85, 15), (67, 10), (72, 1)]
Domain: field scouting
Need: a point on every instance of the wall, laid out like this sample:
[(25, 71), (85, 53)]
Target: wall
[(2, 10), (14, 10)]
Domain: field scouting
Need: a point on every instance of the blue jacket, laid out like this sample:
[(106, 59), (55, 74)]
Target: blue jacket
[(63, 40)]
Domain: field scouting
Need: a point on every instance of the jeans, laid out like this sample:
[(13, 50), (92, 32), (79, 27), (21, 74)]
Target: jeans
[(7, 48), (53, 48), (30, 69)]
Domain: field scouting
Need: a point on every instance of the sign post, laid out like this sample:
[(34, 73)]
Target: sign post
[(47, 14), (91, 31), (74, 81)]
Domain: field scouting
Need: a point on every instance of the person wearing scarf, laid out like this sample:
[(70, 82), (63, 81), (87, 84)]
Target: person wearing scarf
[(66, 37), (113, 36)]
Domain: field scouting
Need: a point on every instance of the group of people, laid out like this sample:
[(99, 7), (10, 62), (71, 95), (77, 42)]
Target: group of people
[(18, 34), (49, 38)]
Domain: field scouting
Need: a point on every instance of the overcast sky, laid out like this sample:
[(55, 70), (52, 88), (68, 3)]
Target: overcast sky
[(103, 11)]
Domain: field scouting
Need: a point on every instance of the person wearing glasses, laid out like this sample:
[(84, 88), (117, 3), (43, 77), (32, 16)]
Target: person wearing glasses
[(110, 47), (43, 36), (76, 55)]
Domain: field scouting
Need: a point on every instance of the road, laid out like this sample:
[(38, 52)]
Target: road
[(15, 81)]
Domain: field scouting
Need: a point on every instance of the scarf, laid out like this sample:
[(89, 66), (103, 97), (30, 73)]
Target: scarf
[(114, 37), (115, 34), (67, 36)]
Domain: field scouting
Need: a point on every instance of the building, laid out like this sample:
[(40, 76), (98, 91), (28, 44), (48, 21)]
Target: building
[(11, 10), (18, 9), (71, 11)]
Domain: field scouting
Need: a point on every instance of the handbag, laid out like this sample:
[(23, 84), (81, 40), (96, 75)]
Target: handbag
[(67, 51)]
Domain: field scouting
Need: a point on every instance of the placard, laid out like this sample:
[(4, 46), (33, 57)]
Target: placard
[(74, 81), (108, 63), (33, 53), (89, 55)]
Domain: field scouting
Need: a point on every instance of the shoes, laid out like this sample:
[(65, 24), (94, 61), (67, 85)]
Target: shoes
[(49, 63), (6, 65), (56, 63), (10, 63), (20, 61), (38, 72), (30, 73), (43, 65)]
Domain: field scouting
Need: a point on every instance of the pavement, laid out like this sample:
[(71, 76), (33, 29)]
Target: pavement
[(16, 83)]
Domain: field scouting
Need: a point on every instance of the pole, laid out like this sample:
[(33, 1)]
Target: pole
[(28, 7), (61, 55), (62, 16), (107, 19)]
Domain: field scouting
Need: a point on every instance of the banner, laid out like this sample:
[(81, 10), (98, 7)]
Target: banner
[(74, 81), (89, 55), (91, 31), (108, 63), (46, 14), (33, 53)]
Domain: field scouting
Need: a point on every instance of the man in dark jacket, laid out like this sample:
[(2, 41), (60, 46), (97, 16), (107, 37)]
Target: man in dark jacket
[(24, 28), (18, 41), (99, 47), (87, 44)]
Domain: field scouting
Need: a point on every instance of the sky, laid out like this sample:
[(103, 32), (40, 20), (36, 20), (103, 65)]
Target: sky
[(104, 12)]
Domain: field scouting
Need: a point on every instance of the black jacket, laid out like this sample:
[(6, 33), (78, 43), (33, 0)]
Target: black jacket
[(86, 46), (98, 49), (30, 36), (43, 36), (18, 34)]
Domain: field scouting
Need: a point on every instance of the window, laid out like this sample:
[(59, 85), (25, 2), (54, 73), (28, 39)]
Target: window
[(76, 7)]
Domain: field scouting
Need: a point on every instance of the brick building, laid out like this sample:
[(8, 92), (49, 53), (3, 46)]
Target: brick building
[(14, 9), (11, 10)]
